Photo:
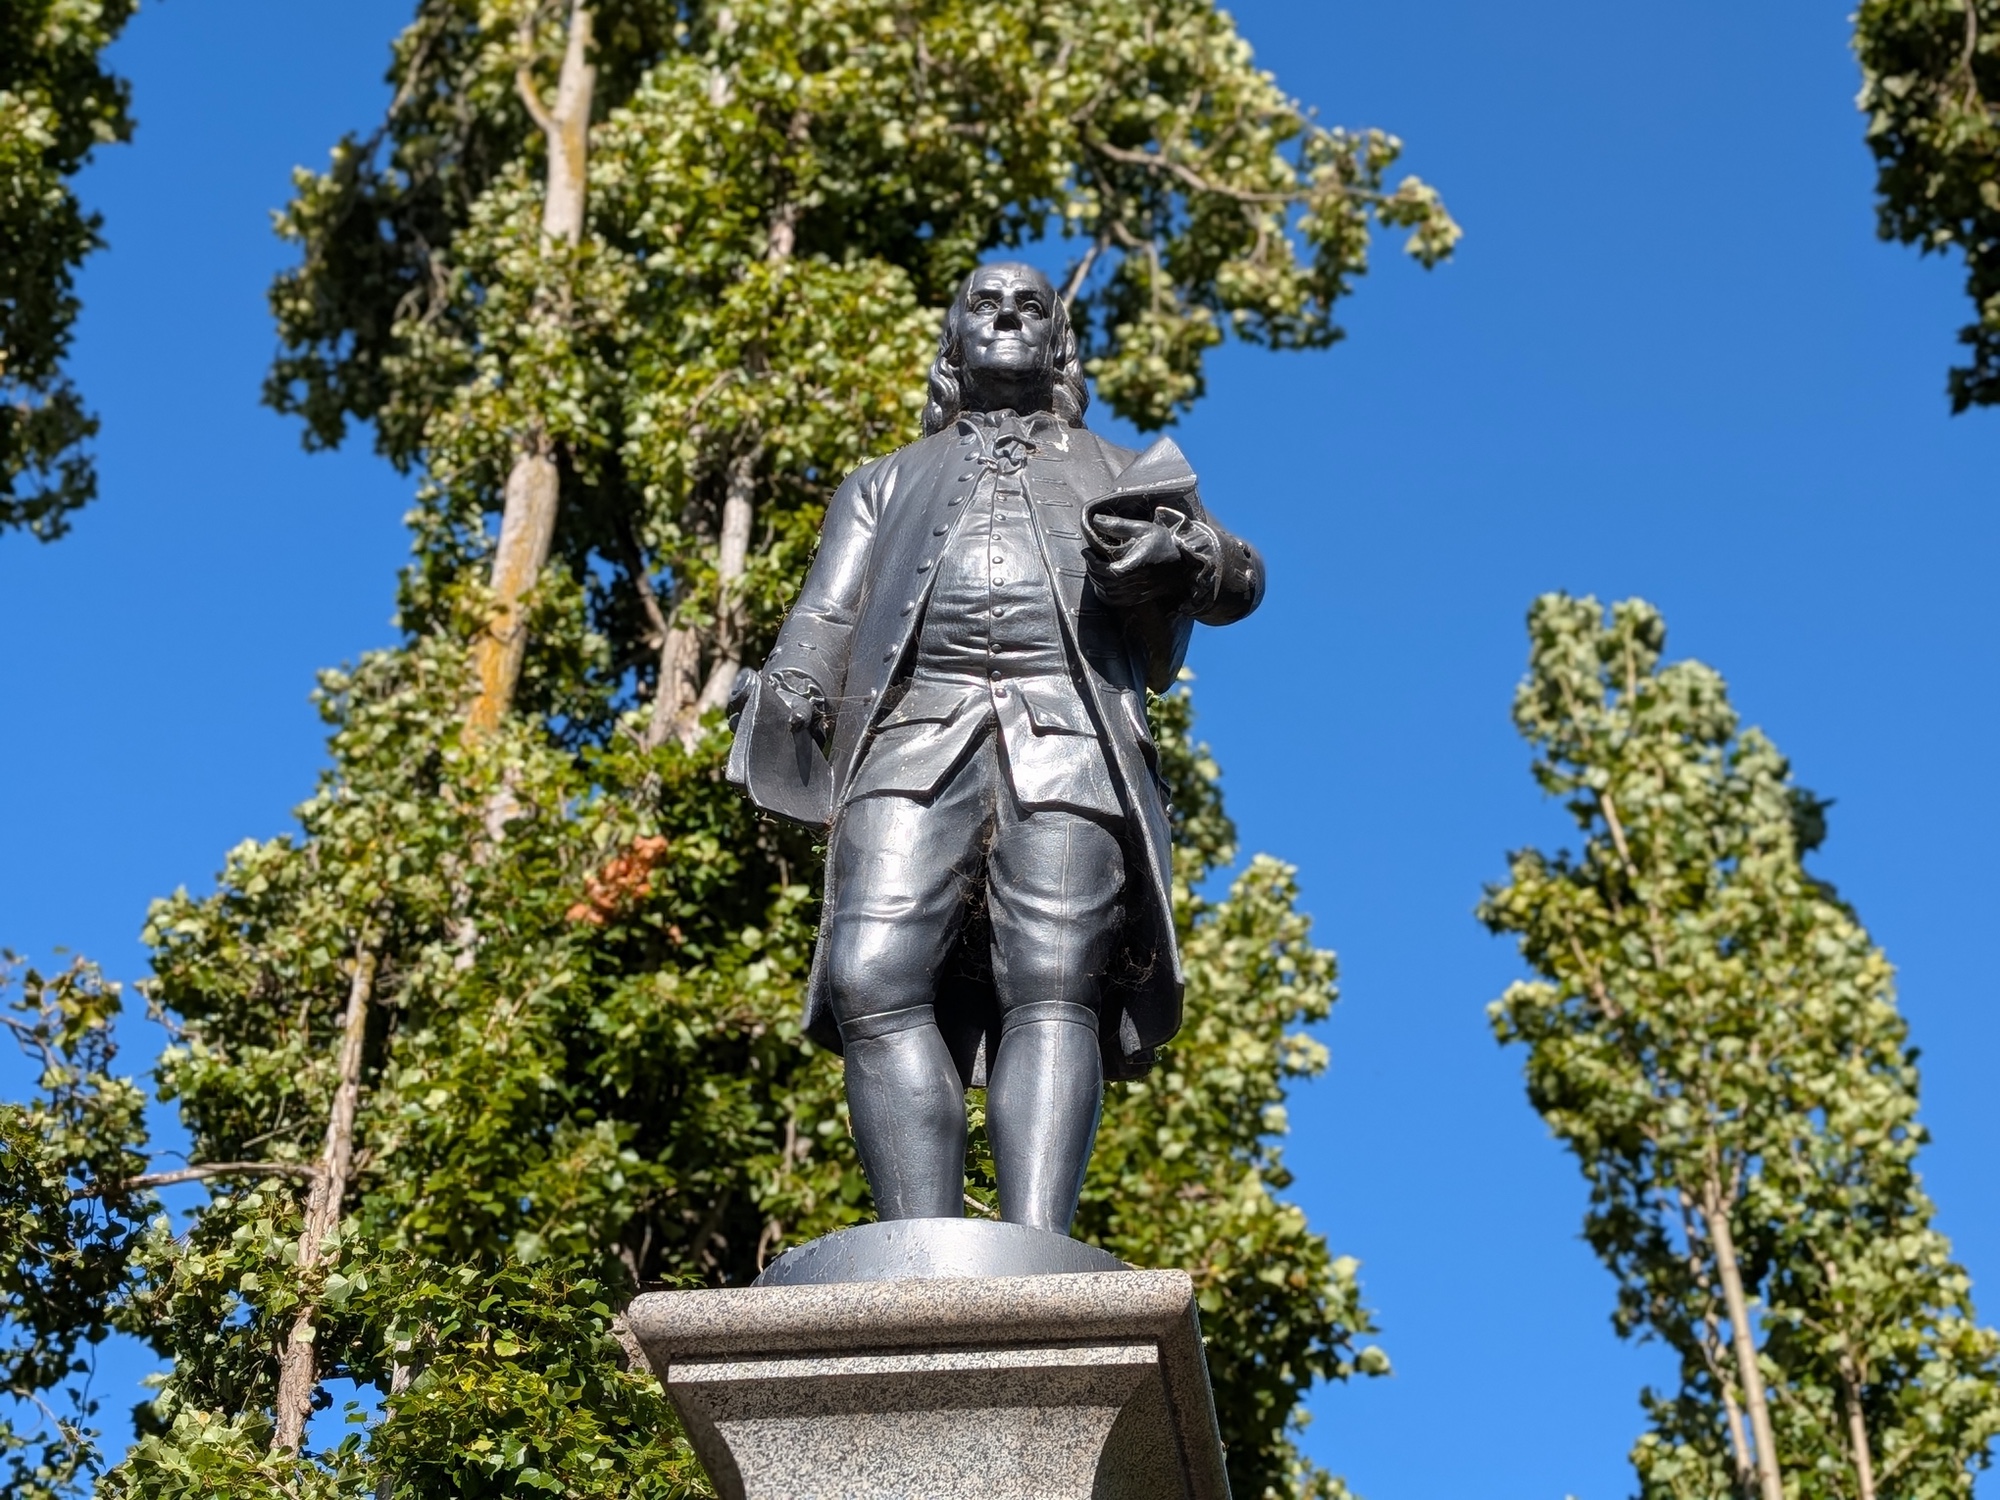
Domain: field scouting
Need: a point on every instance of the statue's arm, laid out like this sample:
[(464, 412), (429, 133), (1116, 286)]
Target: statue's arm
[(1232, 575), (1180, 561), (810, 658)]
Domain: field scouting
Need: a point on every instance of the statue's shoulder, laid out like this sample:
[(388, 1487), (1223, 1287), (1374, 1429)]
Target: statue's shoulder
[(1116, 457), (901, 460), (926, 447)]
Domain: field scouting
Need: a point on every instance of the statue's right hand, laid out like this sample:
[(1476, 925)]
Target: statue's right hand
[(804, 703)]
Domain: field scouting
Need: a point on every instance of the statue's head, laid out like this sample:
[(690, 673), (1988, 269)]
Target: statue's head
[(1007, 342)]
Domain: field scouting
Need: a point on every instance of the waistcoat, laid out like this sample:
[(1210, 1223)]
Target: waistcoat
[(989, 650)]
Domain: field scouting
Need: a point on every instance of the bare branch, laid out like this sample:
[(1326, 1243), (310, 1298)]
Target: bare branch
[(1617, 830), (635, 564), (1074, 286), (524, 78), (298, 1364), (1154, 161), (200, 1172)]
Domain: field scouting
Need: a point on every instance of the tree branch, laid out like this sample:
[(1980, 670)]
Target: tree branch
[(298, 1366), (1770, 1479), (1074, 286), (635, 564), (524, 78), (199, 1172), (1154, 161), (524, 86)]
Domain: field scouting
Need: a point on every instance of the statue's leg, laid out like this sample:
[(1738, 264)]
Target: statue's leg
[(905, 870), (1053, 883)]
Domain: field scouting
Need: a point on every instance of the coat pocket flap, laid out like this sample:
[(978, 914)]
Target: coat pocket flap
[(1054, 706), (929, 703)]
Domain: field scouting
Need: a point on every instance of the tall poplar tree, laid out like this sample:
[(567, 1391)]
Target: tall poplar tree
[(1930, 86), (1716, 1038), (508, 1028), (73, 1201), (72, 1193), (58, 103)]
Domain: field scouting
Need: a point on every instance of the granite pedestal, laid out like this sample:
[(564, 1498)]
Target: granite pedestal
[(1072, 1378)]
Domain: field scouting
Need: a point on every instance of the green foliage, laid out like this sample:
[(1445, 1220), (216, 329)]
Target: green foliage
[(57, 104), (607, 1086), (578, 955), (888, 146), (521, 1393), (1930, 81), (899, 141), (1188, 1171), (69, 1219), (1716, 1039)]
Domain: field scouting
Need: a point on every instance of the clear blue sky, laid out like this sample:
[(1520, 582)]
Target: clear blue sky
[(1672, 360)]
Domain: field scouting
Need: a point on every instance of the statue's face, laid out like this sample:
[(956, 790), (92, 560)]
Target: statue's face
[(1007, 328)]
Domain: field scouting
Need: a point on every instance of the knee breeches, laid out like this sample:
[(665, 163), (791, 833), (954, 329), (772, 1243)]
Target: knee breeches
[(909, 873)]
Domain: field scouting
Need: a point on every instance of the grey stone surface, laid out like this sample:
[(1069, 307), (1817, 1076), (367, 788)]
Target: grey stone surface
[(1086, 1386), (928, 1249)]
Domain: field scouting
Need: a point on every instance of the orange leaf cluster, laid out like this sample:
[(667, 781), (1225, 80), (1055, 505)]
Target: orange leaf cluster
[(624, 879)]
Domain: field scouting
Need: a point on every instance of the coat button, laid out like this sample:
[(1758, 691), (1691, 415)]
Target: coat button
[(939, 530), (922, 566)]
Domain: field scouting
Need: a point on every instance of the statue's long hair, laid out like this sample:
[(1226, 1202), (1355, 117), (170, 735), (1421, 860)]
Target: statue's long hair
[(1068, 397)]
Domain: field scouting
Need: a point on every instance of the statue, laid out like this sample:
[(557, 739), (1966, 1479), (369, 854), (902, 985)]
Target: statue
[(958, 697)]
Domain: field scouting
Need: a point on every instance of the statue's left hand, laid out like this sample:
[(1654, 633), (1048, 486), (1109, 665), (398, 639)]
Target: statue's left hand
[(1145, 560)]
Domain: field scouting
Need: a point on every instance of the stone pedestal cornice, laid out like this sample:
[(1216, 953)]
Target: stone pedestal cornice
[(1051, 1387)]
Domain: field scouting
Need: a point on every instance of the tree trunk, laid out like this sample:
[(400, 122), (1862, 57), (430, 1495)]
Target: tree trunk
[(527, 526), (568, 132), (683, 694), (1739, 1441), (1770, 1482), (679, 685), (298, 1367), (732, 559), (677, 706), (528, 521), (1857, 1435)]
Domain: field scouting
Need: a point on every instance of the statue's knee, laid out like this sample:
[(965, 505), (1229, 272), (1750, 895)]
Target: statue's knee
[(870, 973), (1058, 972), (1049, 1013)]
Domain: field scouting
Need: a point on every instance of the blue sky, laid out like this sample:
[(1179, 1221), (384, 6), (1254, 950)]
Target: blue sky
[(1671, 360)]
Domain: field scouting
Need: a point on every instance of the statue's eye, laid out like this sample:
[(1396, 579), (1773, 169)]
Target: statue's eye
[(1031, 307)]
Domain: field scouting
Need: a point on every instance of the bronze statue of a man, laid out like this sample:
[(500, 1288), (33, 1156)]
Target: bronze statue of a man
[(959, 696)]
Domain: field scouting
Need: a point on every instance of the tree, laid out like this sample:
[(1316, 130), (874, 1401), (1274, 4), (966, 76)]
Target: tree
[(1930, 86), (509, 1027), (1716, 1039), (57, 104), (73, 1202), (72, 1192)]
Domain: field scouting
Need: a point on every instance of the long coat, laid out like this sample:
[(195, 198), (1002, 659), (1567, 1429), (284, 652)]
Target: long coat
[(852, 630)]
